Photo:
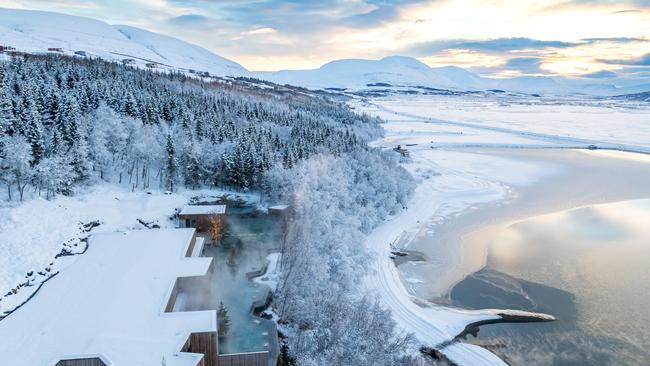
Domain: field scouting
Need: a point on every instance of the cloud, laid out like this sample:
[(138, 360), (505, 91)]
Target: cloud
[(625, 11), (265, 30), (603, 74), (614, 39), (382, 12), (496, 45), (525, 65), (639, 3), (640, 61), (503, 45), (189, 19)]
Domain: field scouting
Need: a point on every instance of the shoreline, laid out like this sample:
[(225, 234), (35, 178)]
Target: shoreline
[(471, 229), (457, 213), (504, 317), (476, 178)]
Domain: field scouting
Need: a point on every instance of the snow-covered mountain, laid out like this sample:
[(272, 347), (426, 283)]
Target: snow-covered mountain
[(36, 31), (390, 71), (400, 72)]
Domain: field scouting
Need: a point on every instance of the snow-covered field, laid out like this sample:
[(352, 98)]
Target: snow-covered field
[(452, 179), (503, 121), (34, 232)]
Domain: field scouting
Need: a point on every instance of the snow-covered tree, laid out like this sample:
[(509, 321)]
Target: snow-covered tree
[(170, 167), (16, 163)]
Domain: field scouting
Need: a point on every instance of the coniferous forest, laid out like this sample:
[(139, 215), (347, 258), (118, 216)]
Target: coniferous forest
[(67, 121)]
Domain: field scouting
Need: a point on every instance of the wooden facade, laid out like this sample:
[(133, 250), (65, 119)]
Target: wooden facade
[(200, 217), (201, 222), (94, 361), (245, 359), (206, 344)]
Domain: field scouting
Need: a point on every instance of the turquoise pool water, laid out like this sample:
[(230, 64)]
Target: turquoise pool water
[(248, 239)]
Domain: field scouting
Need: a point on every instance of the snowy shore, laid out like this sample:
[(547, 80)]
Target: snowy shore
[(462, 190)]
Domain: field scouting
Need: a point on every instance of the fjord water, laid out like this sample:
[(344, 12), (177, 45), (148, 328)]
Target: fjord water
[(590, 267)]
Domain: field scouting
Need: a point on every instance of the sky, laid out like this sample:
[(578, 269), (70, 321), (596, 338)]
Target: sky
[(499, 38)]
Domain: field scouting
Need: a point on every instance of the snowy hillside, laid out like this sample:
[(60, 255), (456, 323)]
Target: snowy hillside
[(36, 31)]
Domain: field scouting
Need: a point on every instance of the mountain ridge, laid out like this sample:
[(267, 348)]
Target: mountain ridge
[(35, 31)]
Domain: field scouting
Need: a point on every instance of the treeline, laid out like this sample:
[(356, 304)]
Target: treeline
[(67, 121), (327, 315)]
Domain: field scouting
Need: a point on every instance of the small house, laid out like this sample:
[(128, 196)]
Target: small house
[(55, 49), (200, 216), (151, 65), (128, 61), (80, 53)]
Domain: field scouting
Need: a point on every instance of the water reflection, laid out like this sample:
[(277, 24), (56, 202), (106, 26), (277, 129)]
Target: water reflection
[(590, 267)]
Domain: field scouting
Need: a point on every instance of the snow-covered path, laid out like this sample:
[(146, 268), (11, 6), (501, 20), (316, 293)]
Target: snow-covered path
[(438, 196), (465, 180)]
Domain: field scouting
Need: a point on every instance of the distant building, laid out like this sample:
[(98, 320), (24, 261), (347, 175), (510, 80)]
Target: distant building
[(199, 216), (80, 53), (6, 48), (55, 49), (128, 61), (151, 65)]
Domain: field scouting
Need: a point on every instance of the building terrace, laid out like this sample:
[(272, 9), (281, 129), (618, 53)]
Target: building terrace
[(113, 307)]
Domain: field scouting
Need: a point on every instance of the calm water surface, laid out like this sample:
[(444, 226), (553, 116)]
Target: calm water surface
[(590, 267)]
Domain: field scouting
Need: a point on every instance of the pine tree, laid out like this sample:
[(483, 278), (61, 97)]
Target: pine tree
[(7, 117), (223, 320), (34, 130), (171, 164)]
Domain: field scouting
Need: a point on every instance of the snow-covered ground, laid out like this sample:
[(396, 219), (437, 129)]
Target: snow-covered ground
[(504, 121), (32, 239), (453, 179)]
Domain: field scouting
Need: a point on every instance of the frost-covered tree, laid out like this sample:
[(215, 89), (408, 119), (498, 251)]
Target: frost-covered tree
[(335, 201), (16, 163), (225, 134), (55, 175), (170, 167)]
